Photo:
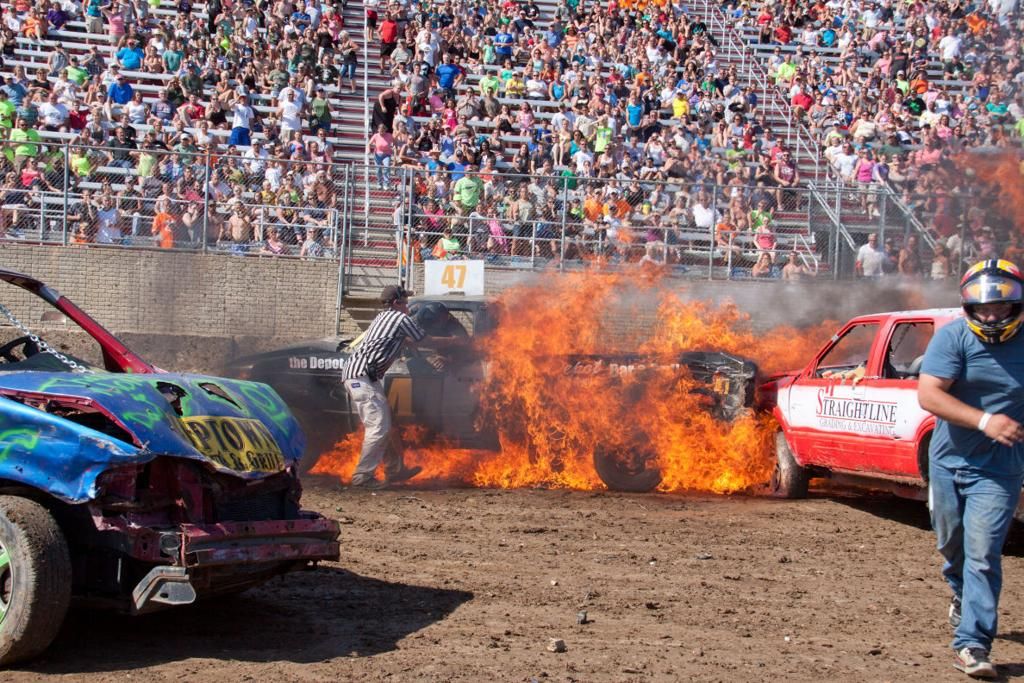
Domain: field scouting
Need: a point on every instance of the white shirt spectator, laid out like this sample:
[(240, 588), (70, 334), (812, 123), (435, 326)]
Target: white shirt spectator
[(313, 10), (107, 231), (582, 158), (243, 114), (844, 163), (871, 260), (290, 116), (255, 161), (300, 95), (136, 111), (704, 216), (950, 47), (53, 114)]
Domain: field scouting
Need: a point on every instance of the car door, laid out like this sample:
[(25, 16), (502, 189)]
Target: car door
[(826, 425), (892, 448)]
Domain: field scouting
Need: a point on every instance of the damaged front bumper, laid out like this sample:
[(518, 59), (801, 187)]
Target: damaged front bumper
[(200, 559)]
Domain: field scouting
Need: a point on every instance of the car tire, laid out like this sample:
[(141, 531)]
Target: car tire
[(619, 475), (35, 579), (789, 479)]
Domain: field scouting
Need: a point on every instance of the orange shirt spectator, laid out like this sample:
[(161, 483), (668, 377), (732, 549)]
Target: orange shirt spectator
[(34, 27), (592, 208), (163, 229)]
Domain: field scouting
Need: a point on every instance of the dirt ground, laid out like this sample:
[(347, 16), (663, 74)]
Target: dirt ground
[(470, 585)]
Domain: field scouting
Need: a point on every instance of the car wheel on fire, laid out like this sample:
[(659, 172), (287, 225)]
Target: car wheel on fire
[(789, 479), (35, 579), (627, 472)]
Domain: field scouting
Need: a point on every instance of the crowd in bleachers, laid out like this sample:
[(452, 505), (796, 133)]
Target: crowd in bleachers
[(622, 110), (616, 122), (165, 112), (894, 93)]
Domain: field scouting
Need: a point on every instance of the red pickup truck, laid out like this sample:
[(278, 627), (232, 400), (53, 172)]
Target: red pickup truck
[(852, 413)]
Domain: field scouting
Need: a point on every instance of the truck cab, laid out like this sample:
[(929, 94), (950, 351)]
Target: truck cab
[(852, 412)]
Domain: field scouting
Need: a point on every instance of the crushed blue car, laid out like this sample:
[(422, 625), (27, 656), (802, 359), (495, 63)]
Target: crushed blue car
[(126, 486)]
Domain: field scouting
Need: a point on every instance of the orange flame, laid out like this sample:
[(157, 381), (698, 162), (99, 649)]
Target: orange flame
[(551, 421)]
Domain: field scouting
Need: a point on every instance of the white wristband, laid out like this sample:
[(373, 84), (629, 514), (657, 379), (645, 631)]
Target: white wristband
[(983, 422)]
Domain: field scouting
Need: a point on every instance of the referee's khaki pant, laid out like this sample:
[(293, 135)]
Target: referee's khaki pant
[(371, 405)]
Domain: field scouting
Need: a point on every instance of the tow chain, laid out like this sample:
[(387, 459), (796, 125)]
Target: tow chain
[(42, 345)]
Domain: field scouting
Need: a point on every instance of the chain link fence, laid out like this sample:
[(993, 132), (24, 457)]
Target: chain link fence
[(382, 216)]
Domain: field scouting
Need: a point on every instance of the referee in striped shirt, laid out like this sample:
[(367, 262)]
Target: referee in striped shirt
[(363, 375)]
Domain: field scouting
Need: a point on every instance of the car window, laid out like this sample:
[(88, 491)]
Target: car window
[(850, 351), (906, 348)]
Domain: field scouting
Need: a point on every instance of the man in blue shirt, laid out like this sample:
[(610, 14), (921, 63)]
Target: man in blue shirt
[(503, 43), (16, 92), (448, 76), (120, 91), (131, 56), (972, 380)]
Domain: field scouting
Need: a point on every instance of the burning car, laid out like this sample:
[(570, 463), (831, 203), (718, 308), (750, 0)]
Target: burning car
[(448, 402), (125, 486)]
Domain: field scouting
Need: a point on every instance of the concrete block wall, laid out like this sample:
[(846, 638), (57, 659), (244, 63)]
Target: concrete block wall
[(162, 292)]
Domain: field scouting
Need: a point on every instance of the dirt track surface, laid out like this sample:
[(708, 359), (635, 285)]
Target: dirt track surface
[(470, 585)]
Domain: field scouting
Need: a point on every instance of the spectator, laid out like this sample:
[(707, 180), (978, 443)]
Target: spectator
[(909, 264), (381, 144), (26, 145), (241, 122), (794, 271), (120, 91), (108, 222), (871, 259)]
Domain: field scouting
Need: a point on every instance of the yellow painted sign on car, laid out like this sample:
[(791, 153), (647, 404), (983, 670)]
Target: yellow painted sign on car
[(239, 444)]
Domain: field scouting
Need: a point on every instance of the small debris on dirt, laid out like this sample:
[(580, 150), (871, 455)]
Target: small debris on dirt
[(652, 605), (581, 617), (704, 556), (556, 645), (784, 559), (554, 582), (875, 651)]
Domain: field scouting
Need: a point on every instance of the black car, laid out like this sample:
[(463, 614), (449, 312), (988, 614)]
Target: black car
[(447, 401)]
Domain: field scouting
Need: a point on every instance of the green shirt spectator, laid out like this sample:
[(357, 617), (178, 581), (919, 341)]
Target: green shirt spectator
[(785, 73), (468, 190), (26, 140), (490, 83), (77, 74), (80, 163)]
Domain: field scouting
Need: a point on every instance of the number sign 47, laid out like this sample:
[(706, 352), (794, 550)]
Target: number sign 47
[(454, 276)]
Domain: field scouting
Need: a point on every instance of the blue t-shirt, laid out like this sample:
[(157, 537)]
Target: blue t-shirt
[(446, 75), (15, 92), (120, 93), (130, 58), (634, 114), (989, 377), (503, 44)]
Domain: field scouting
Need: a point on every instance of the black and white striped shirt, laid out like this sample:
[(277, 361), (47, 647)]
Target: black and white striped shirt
[(381, 345)]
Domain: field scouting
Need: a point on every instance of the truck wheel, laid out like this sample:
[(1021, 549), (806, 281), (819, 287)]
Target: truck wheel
[(35, 579), (626, 472), (789, 479)]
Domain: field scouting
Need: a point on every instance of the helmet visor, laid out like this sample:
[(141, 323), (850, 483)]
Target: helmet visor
[(991, 289)]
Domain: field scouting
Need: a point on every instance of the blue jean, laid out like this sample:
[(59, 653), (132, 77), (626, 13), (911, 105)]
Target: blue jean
[(383, 162), (971, 514)]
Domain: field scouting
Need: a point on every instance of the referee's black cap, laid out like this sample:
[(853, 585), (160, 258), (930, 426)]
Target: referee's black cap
[(393, 293)]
